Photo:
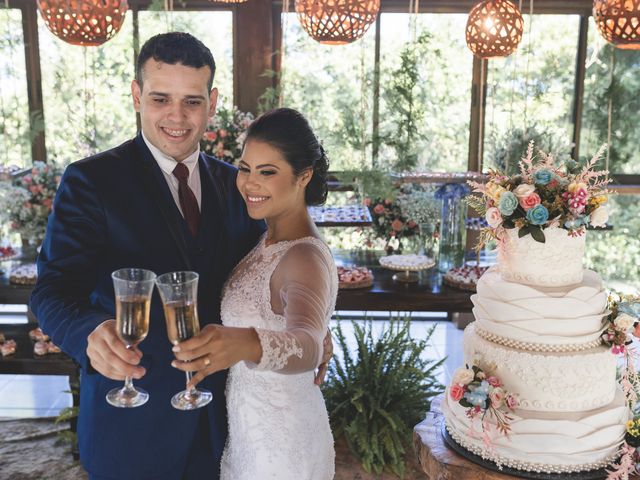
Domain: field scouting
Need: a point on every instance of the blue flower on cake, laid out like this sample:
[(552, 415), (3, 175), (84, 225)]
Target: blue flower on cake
[(538, 215), (482, 394), (508, 203), (543, 176)]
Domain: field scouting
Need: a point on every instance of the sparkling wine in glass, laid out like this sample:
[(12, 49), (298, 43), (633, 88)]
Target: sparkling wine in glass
[(133, 288), (179, 293)]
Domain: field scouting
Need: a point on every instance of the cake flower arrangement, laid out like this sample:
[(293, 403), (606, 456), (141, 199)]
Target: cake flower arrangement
[(541, 196), (482, 394), (622, 324), (225, 134)]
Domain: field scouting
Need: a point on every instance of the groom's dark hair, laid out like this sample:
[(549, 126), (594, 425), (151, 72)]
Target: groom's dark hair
[(173, 48)]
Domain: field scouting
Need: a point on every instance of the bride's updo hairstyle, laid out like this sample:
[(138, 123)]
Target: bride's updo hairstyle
[(288, 131)]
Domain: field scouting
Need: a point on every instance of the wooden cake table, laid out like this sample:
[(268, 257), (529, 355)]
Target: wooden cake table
[(438, 461)]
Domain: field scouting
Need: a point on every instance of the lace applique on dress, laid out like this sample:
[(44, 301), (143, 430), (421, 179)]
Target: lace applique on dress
[(276, 350)]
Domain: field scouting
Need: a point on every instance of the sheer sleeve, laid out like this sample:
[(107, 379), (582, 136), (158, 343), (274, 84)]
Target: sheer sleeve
[(304, 285)]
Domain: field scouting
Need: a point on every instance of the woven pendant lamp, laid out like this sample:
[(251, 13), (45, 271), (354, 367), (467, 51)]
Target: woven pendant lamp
[(87, 23), (337, 22), (619, 22), (494, 28)]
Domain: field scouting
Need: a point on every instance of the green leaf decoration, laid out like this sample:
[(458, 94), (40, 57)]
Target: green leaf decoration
[(537, 234)]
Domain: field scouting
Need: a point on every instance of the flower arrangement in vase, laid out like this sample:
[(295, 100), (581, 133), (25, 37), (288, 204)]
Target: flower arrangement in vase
[(225, 134), (389, 222), (28, 199), (543, 195)]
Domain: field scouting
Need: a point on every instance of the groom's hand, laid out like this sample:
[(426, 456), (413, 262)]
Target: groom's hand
[(109, 355)]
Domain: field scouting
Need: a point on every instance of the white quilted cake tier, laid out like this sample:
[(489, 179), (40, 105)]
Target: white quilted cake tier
[(527, 317), (547, 442), (555, 263), (548, 382)]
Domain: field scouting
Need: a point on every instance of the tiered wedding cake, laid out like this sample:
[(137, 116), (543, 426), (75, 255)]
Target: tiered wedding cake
[(539, 319)]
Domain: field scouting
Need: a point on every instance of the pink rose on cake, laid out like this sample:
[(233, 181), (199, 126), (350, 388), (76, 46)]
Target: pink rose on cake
[(511, 400), (493, 217), (497, 397), (457, 391), (494, 381), (529, 201)]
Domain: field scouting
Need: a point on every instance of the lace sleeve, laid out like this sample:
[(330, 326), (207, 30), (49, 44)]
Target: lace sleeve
[(307, 300)]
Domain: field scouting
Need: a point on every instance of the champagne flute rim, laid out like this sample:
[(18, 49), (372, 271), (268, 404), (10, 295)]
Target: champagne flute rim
[(169, 278), (149, 274)]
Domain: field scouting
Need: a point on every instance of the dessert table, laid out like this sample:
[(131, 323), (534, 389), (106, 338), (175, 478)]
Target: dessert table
[(429, 294)]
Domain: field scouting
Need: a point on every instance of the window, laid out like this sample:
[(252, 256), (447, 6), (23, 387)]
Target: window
[(214, 29), (530, 93), (622, 89), (15, 136), (86, 93), (442, 91), (332, 86)]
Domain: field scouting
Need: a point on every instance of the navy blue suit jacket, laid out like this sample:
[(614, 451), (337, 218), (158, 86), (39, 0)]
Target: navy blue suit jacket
[(105, 217)]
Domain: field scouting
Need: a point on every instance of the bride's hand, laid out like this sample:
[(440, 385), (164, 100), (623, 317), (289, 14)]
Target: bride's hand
[(216, 348)]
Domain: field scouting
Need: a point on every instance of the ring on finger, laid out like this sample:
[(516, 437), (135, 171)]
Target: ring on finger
[(207, 362)]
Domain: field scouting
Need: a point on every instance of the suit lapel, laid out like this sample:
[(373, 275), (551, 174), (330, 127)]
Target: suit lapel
[(155, 185), (214, 219)]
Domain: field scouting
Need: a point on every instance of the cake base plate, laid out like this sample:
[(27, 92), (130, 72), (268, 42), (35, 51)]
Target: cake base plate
[(488, 464)]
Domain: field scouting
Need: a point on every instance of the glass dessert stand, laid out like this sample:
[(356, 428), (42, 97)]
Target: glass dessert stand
[(407, 266)]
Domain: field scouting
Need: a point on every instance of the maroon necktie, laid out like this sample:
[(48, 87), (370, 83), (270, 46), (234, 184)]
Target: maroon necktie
[(188, 202)]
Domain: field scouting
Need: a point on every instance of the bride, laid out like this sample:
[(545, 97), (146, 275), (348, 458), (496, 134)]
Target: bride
[(276, 306)]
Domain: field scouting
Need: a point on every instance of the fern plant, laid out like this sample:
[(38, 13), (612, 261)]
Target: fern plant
[(376, 398)]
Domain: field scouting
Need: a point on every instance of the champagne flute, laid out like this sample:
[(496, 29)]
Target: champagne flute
[(179, 293), (133, 288)]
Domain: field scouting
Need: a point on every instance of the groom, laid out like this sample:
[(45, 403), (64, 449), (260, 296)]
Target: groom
[(154, 202)]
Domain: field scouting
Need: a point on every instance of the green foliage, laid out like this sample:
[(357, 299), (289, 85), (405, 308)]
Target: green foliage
[(376, 398), (505, 152), (67, 414), (270, 98), (405, 111), (370, 182), (615, 254), (624, 91), (15, 143)]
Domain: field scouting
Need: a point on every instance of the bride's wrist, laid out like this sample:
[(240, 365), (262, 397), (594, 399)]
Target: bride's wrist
[(253, 348)]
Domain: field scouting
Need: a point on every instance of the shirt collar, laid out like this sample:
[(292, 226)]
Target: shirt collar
[(167, 164)]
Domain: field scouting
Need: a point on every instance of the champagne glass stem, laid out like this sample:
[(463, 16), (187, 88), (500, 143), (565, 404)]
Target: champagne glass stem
[(128, 385), (190, 390)]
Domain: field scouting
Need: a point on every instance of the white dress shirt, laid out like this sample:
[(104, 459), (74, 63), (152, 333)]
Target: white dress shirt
[(167, 164)]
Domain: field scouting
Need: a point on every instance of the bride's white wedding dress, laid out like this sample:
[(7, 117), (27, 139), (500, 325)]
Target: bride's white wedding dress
[(278, 423)]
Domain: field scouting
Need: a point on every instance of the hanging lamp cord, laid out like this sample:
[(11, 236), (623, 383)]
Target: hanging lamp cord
[(283, 49), (610, 110)]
